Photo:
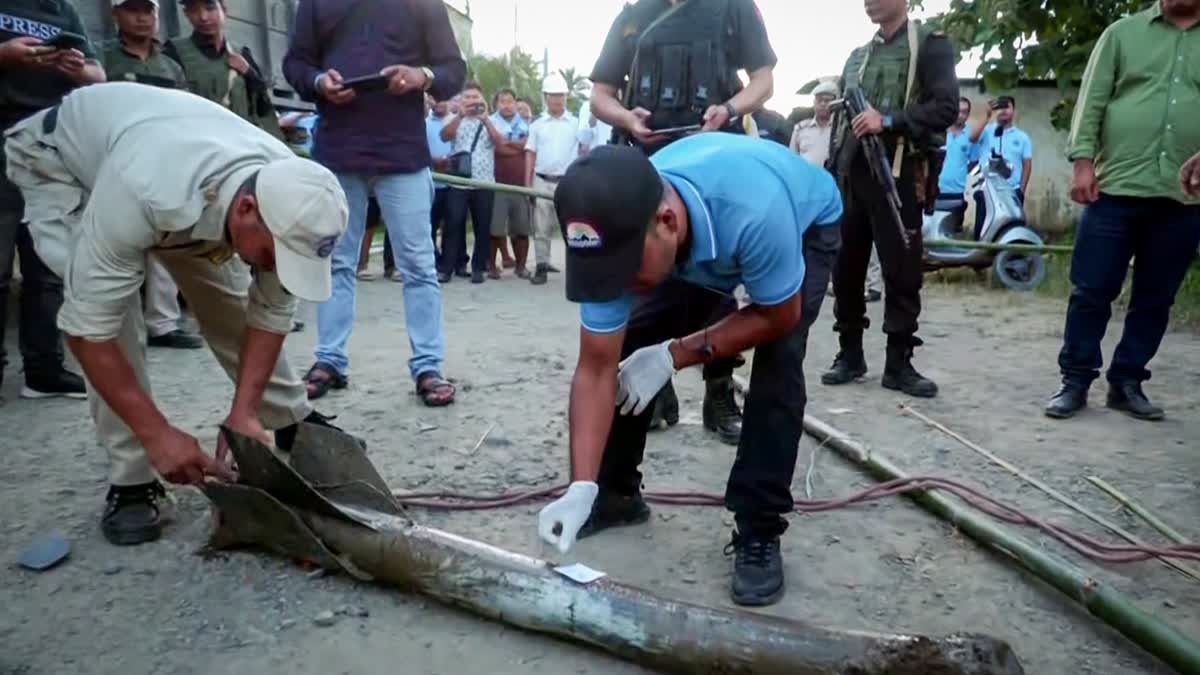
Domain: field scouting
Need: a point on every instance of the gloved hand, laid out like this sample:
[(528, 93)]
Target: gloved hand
[(642, 376), (568, 513)]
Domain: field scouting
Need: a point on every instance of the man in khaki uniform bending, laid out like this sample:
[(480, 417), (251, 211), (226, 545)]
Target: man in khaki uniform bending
[(107, 178)]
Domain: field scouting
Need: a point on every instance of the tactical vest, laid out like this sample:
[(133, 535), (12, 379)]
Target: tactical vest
[(881, 70), (681, 63), (158, 70), (213, 78)]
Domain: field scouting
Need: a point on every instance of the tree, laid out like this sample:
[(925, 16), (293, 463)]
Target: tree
[(579, 89), (1033, 39), (516, 70)]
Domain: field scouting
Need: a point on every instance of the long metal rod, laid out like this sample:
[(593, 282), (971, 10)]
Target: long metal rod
[(1147, 631), (1058, 496)]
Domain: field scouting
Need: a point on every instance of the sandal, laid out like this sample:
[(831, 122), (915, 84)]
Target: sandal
[(435, 391), (321, 378)]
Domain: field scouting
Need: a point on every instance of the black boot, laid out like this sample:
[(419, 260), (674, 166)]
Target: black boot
[(613, 510), (1129, 397), (899, 374), (666, 408), (757, 569), (286, 437), (132, 515), (721, 413), (1070, 399), (849, 364)]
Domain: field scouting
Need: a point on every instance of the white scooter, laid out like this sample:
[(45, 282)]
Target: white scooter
[(1004, 223)]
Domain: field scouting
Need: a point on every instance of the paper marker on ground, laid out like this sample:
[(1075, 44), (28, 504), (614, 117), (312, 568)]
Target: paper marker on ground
[(580, 573)]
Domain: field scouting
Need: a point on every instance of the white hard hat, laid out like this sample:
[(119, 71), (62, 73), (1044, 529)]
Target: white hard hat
[(828, 88), (554, 83), (304, 207)]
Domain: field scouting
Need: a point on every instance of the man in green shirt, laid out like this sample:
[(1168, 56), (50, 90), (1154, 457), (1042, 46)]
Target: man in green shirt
[(136, 55), (1134, 127)]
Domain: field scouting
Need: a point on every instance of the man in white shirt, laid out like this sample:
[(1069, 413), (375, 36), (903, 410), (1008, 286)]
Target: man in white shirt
[(811, 136), (97, 202), (552, 146)]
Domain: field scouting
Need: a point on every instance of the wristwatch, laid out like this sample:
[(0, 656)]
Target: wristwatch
[(428, 78), (887, 122), (731, 110)]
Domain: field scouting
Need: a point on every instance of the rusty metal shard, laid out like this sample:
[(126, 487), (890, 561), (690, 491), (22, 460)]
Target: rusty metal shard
[(628, 622), (259, 467), (327, 456)]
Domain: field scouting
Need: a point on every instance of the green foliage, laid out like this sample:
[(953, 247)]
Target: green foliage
[(580, 89), (1032, 39), (516, 70)]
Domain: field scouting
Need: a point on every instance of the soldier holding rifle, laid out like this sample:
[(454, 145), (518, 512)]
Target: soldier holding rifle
[(907, 93)]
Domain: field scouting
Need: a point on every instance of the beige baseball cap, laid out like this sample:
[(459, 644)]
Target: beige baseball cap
[(302, 204), (118, 3), (828, 88)]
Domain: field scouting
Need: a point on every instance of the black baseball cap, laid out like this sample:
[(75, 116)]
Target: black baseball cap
[(605, 202)]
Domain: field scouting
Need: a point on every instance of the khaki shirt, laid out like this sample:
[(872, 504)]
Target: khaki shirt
[(811, 140), (129, 169)]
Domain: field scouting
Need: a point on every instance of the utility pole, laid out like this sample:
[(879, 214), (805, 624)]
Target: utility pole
[(512, 53)]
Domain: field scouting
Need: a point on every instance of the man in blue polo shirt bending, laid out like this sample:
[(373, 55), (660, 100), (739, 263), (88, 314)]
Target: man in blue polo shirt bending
[(716, 211)]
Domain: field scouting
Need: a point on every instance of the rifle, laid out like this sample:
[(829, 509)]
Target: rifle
[(853, 105)]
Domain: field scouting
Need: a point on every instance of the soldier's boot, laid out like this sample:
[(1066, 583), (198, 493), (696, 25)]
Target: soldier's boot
[(849, 364), (899, 374), (720, 410)]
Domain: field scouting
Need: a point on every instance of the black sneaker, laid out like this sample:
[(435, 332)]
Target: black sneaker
[(1128, 397), (539, 275), (720, 411), (176, 339), (613, 510), (63, 383), (757, 570), (133, 514), (286, 437)]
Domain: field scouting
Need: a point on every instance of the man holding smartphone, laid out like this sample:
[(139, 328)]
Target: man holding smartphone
[(44, 54)]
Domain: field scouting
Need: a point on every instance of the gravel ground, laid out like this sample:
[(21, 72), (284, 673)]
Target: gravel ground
[(161, 608)]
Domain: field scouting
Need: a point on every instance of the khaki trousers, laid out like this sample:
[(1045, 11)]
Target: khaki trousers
[(545, 222), (217, 295)]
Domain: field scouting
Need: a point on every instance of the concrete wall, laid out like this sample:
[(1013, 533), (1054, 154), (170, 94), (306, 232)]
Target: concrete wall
[(1048, 205)]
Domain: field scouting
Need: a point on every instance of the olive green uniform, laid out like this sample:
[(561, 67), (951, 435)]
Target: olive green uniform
[(157, 69), (209, 74), (917, 121)]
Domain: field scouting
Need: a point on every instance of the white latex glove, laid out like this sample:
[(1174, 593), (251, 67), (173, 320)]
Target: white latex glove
[(642, 376), (568, 513)]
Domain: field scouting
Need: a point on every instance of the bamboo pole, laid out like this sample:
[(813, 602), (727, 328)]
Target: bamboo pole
[(1186, 570), (1101, 600), (1153, 520)]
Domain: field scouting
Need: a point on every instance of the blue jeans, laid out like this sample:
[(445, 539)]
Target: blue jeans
[(1161, 235), (405, 201)]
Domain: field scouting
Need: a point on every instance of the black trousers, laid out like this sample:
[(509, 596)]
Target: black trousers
[(1161, 236), (454, 238), (41, 290), (759, 487), (866, 221)]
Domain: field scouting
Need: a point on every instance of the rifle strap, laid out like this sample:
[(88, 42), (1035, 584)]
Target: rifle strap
[(914, 26)]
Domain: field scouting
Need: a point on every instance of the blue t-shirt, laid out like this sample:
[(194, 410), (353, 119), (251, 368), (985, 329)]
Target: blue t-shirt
[(749, 202), (438, 149), (1014, 146), (960, 152)]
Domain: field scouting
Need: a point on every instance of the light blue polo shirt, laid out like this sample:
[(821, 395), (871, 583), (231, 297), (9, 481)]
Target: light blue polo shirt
[(960, 152), (749, 202), (1014, 146), (438, 149)]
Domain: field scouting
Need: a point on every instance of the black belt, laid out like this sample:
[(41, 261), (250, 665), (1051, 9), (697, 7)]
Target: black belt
[(50, 121), (549, 179)]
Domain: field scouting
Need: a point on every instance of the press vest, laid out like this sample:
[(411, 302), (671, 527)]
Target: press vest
[(682, 64), (880, 69)]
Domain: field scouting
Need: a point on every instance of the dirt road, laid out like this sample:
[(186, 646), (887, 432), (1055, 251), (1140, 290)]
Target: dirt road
[(887, 566)]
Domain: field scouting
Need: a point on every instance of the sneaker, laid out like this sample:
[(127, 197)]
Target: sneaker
[(539, 276), (613, 510), (63, 383), (477, 277), (757, 569), (132, 515), (176, 339)]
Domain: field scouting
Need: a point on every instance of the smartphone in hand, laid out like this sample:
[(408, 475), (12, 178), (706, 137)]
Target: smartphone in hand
[(374, 82), (67, 40)]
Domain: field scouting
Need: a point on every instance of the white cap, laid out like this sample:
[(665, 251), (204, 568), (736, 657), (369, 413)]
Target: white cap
[(828, 88), (118, 3), (302, 204), (554, 83)]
